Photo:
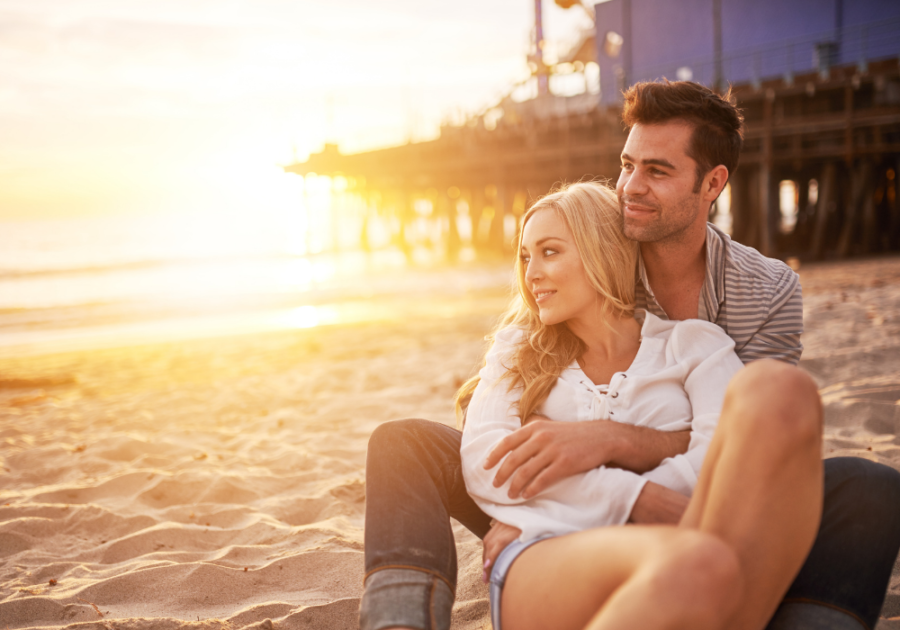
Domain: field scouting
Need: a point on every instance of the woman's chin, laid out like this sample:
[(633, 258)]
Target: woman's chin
[(547, 318)]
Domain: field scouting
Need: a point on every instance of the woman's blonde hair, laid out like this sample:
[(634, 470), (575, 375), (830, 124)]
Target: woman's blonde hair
[(591, 211)]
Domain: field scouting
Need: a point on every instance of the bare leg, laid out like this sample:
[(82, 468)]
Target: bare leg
[(760, 489), (668, 574), (747, 530)]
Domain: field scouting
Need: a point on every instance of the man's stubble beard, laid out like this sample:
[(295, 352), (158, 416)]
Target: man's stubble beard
[(669, 224)]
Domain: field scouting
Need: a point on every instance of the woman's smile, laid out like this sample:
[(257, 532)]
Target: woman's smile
[(542, 295)]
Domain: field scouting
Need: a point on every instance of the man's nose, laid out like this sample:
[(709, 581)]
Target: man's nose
[(634, 184)]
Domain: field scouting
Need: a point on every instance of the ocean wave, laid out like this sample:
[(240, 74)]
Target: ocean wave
[(133, 265)]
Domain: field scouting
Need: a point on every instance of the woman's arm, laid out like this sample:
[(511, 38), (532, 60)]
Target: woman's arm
[(707, 354), (602, 496)]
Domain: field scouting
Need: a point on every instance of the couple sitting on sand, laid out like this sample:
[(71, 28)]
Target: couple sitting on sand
[(643, 343)]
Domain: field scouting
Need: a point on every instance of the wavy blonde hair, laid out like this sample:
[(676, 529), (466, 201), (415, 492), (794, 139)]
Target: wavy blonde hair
[(591, 211)]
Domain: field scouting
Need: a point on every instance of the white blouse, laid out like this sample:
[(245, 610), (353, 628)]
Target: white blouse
[(676, 382)]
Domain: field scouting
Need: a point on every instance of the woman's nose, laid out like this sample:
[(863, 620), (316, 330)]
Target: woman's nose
[(532, 271)]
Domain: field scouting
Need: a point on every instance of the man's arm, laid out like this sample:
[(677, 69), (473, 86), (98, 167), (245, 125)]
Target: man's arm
[(658, 505), (543, 451), (778, 337)]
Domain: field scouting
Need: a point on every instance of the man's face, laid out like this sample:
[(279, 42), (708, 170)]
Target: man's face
[(657, 183)]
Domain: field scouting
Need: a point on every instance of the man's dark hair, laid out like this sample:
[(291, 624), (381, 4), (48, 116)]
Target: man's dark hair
[(718, 123)]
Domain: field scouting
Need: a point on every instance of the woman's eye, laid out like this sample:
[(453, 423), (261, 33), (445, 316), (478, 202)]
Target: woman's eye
[(549, 252)]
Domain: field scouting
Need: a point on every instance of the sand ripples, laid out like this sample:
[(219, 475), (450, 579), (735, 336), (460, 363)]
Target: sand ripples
[(218, 484)]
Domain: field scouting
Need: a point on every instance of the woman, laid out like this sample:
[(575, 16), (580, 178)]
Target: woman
[(573, 349)]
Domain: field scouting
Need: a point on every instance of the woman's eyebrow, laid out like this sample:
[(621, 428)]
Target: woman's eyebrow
[(549, 238)]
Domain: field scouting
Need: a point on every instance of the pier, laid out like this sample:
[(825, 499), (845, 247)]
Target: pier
[(822, 113)]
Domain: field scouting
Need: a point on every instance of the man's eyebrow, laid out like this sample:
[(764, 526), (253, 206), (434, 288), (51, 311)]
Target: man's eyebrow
[(650, 162)]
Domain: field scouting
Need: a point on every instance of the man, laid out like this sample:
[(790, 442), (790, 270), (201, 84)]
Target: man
[(684, 142)]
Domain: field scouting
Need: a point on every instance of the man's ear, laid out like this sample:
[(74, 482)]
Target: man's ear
[(714, 182)]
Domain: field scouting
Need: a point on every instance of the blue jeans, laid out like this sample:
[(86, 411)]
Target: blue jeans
[(414, 485)]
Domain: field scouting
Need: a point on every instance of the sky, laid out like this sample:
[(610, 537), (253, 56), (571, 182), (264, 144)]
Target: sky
[(148, 106)]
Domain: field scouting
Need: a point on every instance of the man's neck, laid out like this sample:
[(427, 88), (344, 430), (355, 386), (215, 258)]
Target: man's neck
[(676, 272)]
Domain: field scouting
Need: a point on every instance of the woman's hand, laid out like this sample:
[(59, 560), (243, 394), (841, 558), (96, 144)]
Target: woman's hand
[(496, 541)]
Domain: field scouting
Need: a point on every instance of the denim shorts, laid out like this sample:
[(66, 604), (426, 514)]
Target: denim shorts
[(501, 568)]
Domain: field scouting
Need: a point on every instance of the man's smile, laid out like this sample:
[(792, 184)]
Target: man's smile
[(636, 210)]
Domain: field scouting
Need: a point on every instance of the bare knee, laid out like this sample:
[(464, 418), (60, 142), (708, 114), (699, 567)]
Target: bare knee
[(702, 575), (776, 399), (713, 567)]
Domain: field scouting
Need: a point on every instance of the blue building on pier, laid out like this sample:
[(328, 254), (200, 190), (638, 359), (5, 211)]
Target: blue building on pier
[(716, 42)]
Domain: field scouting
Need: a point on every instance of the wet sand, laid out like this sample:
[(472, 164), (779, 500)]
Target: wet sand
[(219, 483)]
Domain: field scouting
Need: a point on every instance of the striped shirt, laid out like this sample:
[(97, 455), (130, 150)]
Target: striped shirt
[(756, 300)]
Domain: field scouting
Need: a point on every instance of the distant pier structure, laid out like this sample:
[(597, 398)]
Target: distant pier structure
[(818, 82)]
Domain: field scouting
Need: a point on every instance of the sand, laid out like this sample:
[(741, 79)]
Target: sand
[(219, 483)]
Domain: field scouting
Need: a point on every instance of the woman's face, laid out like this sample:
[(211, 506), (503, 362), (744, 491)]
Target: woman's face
[(554, 272)]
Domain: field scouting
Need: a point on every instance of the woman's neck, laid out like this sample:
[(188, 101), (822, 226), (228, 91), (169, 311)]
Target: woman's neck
[(610, 348)]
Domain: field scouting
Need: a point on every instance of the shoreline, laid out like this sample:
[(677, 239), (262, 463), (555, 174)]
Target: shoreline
[(187, 328)]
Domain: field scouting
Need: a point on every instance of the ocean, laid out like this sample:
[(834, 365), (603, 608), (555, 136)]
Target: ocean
[(107, 280)]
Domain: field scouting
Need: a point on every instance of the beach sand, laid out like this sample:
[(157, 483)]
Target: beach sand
[(219, 483)]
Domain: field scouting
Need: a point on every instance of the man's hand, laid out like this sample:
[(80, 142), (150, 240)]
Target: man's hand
[(496, 541), (543, 451), (658, 505)]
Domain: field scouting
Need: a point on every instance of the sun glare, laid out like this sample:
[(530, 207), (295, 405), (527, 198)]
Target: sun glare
[(303, 317), (144, 146)]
